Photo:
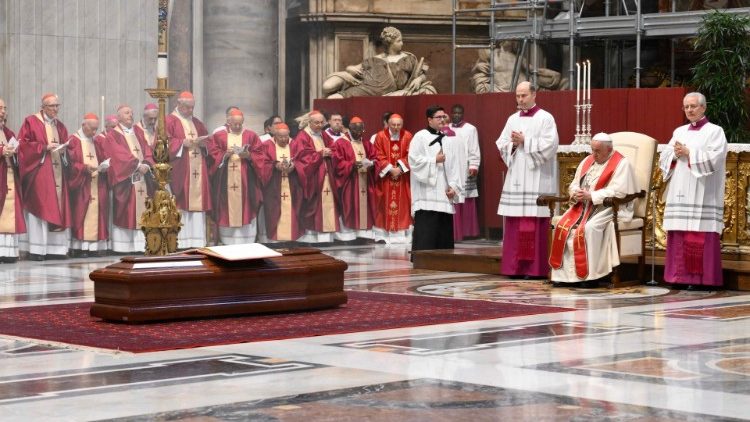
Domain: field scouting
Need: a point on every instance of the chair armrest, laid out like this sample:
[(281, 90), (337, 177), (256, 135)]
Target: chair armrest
[(550, 201), (613, 200), (547, 200)]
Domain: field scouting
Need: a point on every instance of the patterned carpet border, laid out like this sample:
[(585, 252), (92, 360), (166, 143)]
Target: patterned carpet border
[(365, 311)]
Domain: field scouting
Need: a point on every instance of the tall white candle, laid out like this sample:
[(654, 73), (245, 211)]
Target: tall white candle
[(588, 82), (101, 116), (578, 84)]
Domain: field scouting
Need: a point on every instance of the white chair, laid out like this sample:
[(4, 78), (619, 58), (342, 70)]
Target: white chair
[(640, 151)]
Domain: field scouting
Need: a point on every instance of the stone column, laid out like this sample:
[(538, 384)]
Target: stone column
[(239, 59)]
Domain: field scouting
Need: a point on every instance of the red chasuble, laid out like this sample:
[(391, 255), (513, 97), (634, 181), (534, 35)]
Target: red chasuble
[(578, 215), (282, 195), (320, 209), (128, 197), (11, 207), (394, 197), (44, 196), (356, 188), (89, 206), (189, 181), (235, 189)]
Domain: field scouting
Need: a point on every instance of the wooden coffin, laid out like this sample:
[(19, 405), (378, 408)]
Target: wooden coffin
[(139, 289)]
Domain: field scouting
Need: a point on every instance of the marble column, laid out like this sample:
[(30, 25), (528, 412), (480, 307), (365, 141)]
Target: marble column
[(239, 59)]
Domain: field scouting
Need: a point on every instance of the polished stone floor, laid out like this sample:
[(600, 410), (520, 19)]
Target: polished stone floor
[(632, 354)]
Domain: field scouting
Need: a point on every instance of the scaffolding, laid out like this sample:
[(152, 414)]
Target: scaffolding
[(536, 28)]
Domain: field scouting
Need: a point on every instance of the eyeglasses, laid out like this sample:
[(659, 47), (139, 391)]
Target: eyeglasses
[(691, 107), (440, 116), (52, 105)]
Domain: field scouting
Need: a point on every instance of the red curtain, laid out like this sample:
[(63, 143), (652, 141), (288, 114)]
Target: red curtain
[(655, 112)]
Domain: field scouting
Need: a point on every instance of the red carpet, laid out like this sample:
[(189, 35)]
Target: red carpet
[(365, 311)]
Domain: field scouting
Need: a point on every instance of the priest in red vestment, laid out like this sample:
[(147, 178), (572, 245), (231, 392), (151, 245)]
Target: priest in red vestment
[(11, 207), (320, 209), (235, 188), (282, 193), (190, 186), (131, 180), (41, 158), (147, 124), (354, 161), (393, 221), (87, 183)]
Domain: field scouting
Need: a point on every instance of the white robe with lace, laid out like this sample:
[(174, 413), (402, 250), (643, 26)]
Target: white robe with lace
[(601, 242)]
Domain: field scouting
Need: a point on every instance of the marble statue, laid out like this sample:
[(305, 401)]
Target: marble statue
[(505, 61), (393, 72)]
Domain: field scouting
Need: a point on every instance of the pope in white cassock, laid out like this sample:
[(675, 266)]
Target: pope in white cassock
[(528, 146), (584, 245), (694, 162)]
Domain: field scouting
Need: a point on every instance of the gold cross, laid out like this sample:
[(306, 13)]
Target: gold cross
[(562, 226)]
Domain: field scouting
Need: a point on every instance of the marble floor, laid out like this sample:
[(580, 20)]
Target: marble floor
[(633, 354)]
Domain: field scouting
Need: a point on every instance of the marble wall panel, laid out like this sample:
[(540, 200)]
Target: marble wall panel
[(77, 49), (239, 53)]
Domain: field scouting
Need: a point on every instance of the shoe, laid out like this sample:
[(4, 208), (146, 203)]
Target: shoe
[(36, 257), (51, 256)]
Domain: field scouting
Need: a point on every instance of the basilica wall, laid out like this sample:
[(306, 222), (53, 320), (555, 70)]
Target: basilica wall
[(82, 50), (340, 33)]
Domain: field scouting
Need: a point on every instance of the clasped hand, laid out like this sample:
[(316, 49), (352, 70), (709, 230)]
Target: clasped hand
[(581, 195)]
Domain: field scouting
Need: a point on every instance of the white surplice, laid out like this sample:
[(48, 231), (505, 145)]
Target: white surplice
[(532, 169), (429, 179), (695, 196), (601, 242), (469, 136)]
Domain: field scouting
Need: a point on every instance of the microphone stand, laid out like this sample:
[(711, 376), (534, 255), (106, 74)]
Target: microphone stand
[(653, 239)]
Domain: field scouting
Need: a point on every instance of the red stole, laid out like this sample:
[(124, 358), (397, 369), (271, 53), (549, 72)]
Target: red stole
[(579, 214)]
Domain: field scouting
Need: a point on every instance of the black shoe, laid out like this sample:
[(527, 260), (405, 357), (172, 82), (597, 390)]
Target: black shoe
[(50, 256), (590, 284), (36, 257)]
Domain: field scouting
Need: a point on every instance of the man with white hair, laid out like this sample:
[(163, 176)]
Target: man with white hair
[(187, 154), (89, 198), (528, 146), (584, 245), (393, 217), (313, 163), (236, 192), (131, 180), (147, 124), (11, 209), (41, 157), (694, 160), (282, 191)]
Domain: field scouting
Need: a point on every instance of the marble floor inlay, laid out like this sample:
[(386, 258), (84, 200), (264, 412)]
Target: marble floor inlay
[(422, 400), (632, 354), (487, 338)]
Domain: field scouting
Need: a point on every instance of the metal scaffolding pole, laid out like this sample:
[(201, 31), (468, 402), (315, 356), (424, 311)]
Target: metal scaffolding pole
[(493, 42), (572, 42), (638, 35), (453, 50)]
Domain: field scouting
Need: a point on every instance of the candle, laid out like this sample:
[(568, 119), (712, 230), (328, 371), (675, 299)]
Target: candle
[(101, 116), (162, 66), (588, 83), (578, 84)]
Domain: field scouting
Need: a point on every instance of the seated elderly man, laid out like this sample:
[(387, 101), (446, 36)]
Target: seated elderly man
[(584, 246)]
